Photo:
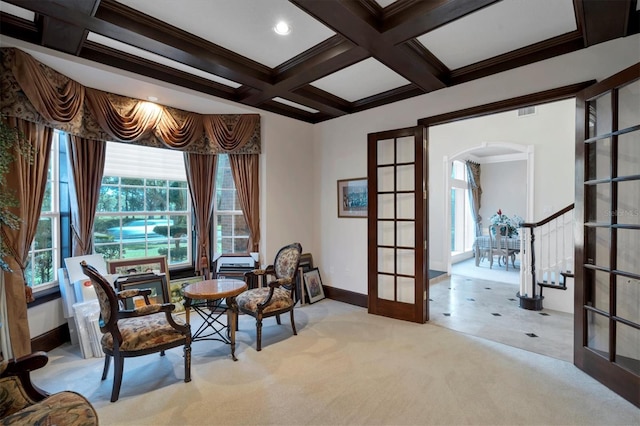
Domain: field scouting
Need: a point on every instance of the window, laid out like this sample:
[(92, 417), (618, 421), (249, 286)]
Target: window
[(231, 230), (44, 256), (144, 207), (462, 226)]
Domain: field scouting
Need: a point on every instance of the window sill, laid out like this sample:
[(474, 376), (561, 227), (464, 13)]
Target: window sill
[(45, 296)]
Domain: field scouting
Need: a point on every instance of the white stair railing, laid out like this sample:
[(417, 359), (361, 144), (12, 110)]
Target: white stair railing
[(546, 252)]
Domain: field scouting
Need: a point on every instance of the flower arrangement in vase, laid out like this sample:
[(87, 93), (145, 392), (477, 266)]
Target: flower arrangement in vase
[(512, 223)]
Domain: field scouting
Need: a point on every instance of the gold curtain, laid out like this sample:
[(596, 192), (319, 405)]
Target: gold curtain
[(247, 180), (230, 138), (87, 165), (28, 179), (35, 92), (57, 102), (201, 176), (475, 193)]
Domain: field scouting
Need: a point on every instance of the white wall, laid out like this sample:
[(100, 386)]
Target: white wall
[(503, 187), (339, 152), (286, 185)]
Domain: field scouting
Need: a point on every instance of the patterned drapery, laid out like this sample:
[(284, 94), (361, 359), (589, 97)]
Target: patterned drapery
[(475, 193), (28, 177), (35, 92)]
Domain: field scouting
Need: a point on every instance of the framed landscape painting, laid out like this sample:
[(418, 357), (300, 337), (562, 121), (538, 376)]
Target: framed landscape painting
[(352, 197), (176, 291), (156, 264)]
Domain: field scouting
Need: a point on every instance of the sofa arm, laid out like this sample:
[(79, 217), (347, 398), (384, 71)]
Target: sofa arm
[(62, 408), (22, 368)]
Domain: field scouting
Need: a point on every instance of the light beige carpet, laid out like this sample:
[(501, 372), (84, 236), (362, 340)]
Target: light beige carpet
[(345, 367)]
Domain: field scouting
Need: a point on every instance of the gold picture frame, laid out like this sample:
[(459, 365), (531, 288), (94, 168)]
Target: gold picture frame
[(140, 265)]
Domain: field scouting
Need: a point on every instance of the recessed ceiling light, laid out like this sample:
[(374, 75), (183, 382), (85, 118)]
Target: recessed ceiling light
[(282, 28), (152, 98)]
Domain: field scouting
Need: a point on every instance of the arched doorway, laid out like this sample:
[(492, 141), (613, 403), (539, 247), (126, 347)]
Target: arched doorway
[(487, 153)]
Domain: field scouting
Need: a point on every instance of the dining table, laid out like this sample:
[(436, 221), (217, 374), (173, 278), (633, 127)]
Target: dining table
[(484, 242)]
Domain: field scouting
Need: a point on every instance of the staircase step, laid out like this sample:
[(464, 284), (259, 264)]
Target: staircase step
[(553, 285)]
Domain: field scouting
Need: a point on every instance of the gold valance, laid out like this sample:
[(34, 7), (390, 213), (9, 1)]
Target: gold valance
[(35, 92)]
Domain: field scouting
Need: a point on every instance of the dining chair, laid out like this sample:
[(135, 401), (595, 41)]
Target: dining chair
[(500, 245)]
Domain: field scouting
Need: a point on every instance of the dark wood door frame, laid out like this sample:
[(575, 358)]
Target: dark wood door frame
[(606, 367), (557, 94)]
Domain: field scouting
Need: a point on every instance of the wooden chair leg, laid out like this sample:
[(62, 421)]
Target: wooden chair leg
[(187, 363), (118, 366), (278, 320), (259, 334), (293, 324), (107, 362)]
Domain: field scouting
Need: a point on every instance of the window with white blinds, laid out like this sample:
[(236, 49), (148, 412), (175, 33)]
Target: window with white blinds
[(144, 207), (135, 161)]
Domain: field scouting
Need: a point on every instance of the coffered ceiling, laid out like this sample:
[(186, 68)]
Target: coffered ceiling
[(340, 57)]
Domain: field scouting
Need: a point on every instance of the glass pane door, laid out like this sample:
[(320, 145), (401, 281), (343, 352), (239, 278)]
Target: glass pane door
[(607, 334), (397, 209)]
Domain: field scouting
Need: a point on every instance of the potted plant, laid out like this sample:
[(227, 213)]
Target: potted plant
[(512, 223)]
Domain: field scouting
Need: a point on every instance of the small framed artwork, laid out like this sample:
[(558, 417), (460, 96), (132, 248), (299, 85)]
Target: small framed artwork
[(313, 285), (306, 264), (176, 291), (157, 285), (352, 197), (141, 265)]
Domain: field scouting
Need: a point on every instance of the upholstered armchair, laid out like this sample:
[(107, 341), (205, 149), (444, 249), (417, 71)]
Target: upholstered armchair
[(275, 297), (135, 332), (22, 403)]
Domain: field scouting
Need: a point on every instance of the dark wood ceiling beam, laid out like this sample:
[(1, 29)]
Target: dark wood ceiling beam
[(67, 38), (197, 56), (356, 23), (21, 29), (321, 97), (124, 61), (393, 95), (145, 25), (292, 112), (335, 109), (99, 53), (309, 68), (556, 46), (603, 20), (409, 19)]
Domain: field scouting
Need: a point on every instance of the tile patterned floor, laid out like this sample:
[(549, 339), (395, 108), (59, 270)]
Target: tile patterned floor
[(489, 309)]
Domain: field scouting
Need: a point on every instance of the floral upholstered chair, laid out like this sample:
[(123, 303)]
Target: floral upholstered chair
[(276, 297), (22, 403), (135, 332)]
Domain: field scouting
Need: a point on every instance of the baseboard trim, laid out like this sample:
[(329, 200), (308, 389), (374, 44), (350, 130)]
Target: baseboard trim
[(346, 296), (51, 339)]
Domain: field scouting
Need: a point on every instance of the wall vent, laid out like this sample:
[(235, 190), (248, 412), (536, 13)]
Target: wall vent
[(526, 111)]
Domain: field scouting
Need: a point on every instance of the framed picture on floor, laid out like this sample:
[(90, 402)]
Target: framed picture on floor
[(157, 285), (176, 291), (313, 285)]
